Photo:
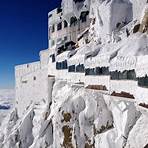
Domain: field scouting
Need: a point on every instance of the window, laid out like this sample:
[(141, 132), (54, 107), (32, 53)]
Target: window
[(53, 58), (73, 21), (65, 38), (52, 43), (143, 81), (80, 68), (131, 75), (49, 33), (65, 24), (59, 26), (24, 81), (59, 10), (71, 68), (50, 16), (90, 71), (84, 19), (34, 78), (125, 75), (83, 16), (53, 28), (64, 64), (102, 71), (61, 65)]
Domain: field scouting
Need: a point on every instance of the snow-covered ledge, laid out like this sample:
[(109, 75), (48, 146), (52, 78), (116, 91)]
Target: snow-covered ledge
[(98, 80), (27, 68), (128, 86)]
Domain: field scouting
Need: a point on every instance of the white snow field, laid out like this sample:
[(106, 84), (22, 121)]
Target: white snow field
[(7, 98)]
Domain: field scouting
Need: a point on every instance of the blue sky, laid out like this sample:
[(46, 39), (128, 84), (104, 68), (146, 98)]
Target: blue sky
[(23, 33)]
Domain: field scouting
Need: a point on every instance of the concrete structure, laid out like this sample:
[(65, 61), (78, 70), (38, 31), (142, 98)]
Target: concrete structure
[(85, 64), (60, 30)]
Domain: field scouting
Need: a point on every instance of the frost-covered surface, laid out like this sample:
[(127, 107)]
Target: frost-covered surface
[(75, 116), (7, 98), (54, 108)]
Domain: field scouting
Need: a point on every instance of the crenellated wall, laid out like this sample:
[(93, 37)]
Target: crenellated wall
[(24, 69)]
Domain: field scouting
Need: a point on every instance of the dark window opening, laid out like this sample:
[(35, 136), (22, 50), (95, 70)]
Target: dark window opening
[(50, 16), (125, 75), (53, 58), (102, 71), (59, 10), (59, 26), (143, 81), (83, 16), (61, 50), (90, 71), (80, 68), (65, 24), (136, 28), (24, 82), (53, 29), (49, 33), (97, 71), (65, 38), (34, 78), (71, 68), (61, 65), (73, 21)]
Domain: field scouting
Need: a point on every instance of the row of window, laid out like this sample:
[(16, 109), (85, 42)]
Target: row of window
[(59, 26), (125, 75), (59, 10), (97, 71), (79, 68), (115, 75), (61, 65), (73, 22)]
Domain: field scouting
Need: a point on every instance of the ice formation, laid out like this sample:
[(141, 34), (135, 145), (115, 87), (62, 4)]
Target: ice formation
[(91, 90)]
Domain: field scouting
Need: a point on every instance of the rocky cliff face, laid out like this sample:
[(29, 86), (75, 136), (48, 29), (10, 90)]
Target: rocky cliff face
[(77, 117)]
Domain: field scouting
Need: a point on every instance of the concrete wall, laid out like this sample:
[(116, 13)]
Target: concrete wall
[(24, 69), (30, 88)]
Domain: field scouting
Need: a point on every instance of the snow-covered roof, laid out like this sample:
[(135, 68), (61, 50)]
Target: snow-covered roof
[(121, 63), (97, 61), (62, 57), (79, 57)]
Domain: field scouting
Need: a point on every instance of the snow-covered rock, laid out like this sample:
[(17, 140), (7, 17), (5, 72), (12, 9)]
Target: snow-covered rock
[(7, 99), (138, 137), (55, 108)]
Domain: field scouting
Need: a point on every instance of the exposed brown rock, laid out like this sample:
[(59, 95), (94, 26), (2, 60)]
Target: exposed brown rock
[(67, 143), (89, 146), (67, 117), (97, 87), (143, 105), (144, 25), (123, 94)]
